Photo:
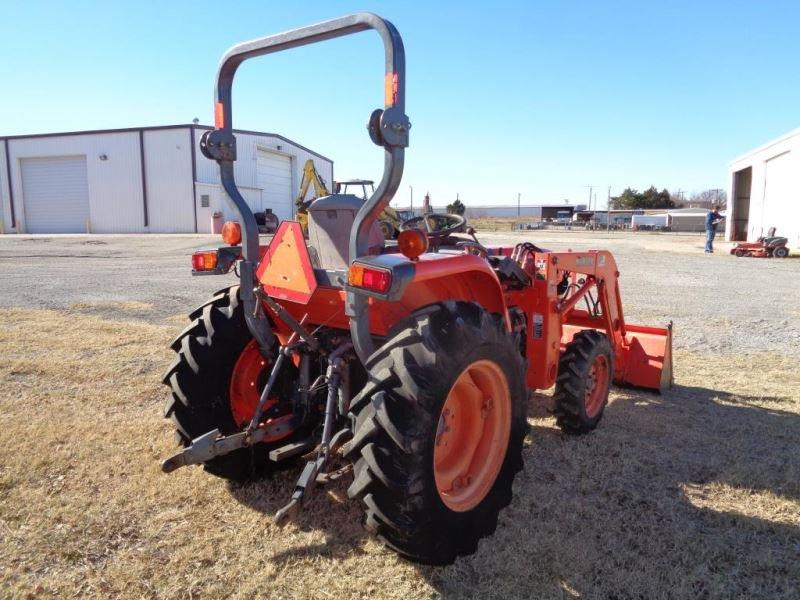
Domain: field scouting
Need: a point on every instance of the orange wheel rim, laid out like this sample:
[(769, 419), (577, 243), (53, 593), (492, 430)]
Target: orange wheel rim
[(472, 436), (247, 381), (596, 386)]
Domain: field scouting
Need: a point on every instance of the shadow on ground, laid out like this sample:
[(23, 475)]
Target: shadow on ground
[(684, 495)]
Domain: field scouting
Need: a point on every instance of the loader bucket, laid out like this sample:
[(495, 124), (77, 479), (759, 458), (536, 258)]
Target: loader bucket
[(647, 357)]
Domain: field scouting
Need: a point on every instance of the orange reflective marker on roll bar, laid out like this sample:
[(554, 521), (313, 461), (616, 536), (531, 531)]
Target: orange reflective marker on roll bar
[(219, 115), (390, 89)]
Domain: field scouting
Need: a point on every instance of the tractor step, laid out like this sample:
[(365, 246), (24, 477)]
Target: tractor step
[(292, 450)]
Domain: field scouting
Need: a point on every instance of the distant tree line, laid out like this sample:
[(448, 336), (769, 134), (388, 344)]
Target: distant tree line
[(456, 208), (708, 198), (651, 198)]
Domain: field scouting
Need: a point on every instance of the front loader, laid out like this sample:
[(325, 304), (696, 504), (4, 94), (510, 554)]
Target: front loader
[(409, 363)]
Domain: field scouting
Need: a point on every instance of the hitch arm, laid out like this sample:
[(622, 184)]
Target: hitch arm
[(213, 444), (314, 470)]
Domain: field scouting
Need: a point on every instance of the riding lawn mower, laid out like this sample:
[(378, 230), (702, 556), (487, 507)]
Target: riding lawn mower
[(764, 247), (406, 366)]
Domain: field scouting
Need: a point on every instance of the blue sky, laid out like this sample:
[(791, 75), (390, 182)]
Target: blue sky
[(537, 98)]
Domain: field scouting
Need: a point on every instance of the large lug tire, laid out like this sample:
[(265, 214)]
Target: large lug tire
[(199, 379), (585, 371), (402, 474), (780, 252)]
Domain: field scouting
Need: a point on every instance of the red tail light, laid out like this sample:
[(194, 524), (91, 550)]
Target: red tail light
[(369, 278), (204, 261)]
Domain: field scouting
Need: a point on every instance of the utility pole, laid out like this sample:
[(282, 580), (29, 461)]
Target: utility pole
[(608, 210), (591, 187), (716, 195), (411, 192), (680, 194), (519, 208)]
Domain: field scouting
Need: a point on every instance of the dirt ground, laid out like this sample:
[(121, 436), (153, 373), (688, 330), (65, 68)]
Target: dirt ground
[(695, 493)]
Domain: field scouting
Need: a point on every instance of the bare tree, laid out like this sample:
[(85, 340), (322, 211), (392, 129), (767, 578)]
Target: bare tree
[(708, 198)]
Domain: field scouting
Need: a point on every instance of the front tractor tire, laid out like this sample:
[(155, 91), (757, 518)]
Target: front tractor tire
[(585, 371), (438, 432), (214, 382)]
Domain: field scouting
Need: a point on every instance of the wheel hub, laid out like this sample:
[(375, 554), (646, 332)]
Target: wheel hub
[(247, 381), (596, 385), (472, 435)]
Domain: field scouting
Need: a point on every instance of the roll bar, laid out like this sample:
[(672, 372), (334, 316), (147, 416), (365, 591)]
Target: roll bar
[(388, 127)]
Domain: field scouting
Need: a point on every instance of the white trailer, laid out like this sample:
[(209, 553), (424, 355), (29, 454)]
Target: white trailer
[(649, 221)]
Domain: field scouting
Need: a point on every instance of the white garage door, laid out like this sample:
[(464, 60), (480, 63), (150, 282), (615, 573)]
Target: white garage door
[(55, 192), (274, 176), (779, 197)]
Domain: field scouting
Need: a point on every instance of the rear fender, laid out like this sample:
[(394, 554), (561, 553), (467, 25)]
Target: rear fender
[(463, 277), (433, 278)]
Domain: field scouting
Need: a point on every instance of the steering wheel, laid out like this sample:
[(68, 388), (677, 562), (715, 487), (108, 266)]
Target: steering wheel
[(437, 226)]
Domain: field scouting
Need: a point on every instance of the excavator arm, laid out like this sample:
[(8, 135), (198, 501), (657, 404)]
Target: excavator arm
[(310, 177)]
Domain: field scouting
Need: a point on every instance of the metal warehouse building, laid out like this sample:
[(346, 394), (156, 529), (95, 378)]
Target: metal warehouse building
[(149, 179), (541, 211), (764, 191)]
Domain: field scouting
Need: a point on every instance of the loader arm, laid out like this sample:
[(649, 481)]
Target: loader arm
[(591, 300)]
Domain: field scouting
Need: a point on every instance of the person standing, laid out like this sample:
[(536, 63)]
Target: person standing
[(713, 218)]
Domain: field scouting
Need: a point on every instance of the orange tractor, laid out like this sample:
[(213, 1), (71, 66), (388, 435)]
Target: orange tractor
[(409, 363)]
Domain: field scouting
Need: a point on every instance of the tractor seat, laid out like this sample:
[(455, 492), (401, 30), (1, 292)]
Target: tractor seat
[(775, 241), (330, 220)]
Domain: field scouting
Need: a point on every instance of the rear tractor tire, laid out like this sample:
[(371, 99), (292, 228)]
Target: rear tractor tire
[(780, 252), (438, 432), (215, 381), (585, 371)]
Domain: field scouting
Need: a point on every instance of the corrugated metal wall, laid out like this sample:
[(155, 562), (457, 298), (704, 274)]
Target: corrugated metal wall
[(245, 167), (168, 172), (774, 188), (5, 213), (116, 199), (115, 189)]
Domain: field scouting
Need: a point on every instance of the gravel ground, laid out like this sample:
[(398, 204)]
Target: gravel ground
[(719, 304), (693, 494)]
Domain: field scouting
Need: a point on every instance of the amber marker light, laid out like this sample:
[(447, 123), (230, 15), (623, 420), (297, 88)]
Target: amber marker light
[(232, 233), (205, 260), (412, 242)]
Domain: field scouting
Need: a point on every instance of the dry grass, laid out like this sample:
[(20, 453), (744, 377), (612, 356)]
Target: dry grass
[(693, 494)]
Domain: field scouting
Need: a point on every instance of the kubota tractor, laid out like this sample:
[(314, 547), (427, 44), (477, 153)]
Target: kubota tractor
[(411, 362)]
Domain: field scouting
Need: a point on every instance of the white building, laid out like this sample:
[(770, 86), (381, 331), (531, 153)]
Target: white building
[(764, 191), (541, 211), (149, 179)]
